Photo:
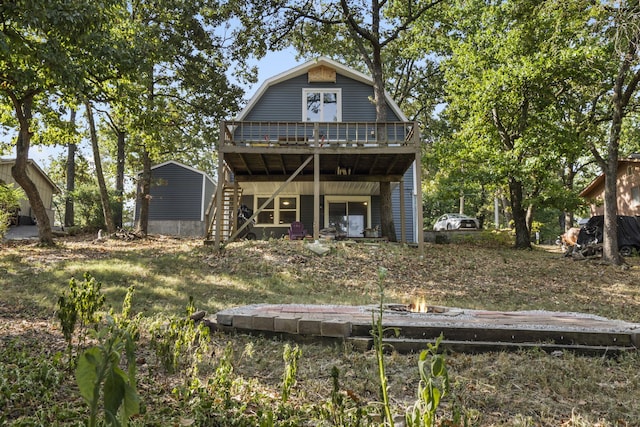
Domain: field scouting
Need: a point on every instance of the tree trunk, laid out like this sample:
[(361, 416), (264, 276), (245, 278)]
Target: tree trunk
[(120, 159), (568, 220), (69, 213), (619, 101), (506, 204), (523, 237), (531, 210), (104, 194), (387, 226), (145, 194), (610, 252), (19, 170)]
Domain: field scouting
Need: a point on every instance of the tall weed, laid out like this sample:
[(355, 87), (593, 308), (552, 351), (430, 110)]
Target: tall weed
[(180, 341), (433, 386), (79, 304), (99, 375)]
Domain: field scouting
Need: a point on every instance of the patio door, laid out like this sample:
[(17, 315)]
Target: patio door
[(349, 217)]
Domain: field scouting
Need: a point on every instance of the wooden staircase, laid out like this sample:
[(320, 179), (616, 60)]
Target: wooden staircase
[(231, 195)]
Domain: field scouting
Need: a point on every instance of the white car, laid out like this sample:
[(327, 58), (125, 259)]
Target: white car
[(454, 221)]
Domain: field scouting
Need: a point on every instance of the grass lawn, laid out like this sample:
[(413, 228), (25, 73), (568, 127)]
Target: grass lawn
[(239, 379)]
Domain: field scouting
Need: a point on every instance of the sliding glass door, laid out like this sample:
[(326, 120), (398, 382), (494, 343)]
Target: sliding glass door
[(350, 218)]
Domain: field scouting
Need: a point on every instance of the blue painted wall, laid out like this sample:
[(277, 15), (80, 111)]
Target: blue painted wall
[(176, 194), (283, 101)]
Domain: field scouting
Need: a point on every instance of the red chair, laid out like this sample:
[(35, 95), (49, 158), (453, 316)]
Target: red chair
[(297, 231)]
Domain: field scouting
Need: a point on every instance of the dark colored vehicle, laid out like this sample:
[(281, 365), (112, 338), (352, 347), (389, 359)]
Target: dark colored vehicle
[(591, 235), (244, 213)]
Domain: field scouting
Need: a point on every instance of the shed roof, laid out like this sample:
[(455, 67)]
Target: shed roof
[(192, 169)]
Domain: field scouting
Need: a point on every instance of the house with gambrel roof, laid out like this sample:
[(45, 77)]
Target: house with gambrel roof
[(307, 148)]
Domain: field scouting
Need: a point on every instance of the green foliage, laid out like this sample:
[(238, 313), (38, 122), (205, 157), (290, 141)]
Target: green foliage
[(433, 386), (222, 380), (98, 374), (180, 341), (88, 208), (344, 408), (9, 205), (291, 357), (519, 99), (231, 400), (27, 381), (378, 333), (80, 304)]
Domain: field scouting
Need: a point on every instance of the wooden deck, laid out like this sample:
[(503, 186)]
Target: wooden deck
[(350, 151), (464, 330)]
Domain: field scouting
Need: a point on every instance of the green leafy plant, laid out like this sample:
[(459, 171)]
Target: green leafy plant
[(180, 341), (338, 411), (378, 333), (98, 374), (80, 304), (9, 205), (291, 357), (27, 379), (433, 386)]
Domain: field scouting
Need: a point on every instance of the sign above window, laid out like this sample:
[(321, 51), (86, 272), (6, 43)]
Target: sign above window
[(322, 74)]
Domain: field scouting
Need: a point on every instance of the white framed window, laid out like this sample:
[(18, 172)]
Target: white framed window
[(281, 211), (322, 105)]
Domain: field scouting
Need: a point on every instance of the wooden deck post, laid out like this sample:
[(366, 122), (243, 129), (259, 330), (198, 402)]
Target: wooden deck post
[(418, 185), (316, 195), (403, 220), (218, 214)]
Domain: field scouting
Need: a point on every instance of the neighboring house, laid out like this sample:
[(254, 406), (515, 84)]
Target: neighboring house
[(44, 184), (628, 189), (307, 148), (179, 197)]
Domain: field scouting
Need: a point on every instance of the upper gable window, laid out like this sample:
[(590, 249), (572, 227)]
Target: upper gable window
[(322, 105)]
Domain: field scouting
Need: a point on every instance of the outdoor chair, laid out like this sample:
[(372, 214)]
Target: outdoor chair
[(297, 231)]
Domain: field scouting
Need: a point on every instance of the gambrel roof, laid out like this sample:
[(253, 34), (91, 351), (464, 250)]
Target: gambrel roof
[(303, 69)]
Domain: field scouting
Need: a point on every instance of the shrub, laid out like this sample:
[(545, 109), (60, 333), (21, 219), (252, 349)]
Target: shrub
[(9, 205)]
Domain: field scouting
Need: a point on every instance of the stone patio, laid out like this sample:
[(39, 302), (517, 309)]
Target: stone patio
[(464, 330)]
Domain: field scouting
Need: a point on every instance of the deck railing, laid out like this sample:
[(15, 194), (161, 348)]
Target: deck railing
[(318, 134)]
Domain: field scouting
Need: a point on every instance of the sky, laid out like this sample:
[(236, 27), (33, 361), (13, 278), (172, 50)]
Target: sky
[(272, 64)]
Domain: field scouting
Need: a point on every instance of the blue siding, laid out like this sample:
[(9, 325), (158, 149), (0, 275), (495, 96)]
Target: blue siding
[(306, 212), (176, 194), (283, 101), (408, 207)]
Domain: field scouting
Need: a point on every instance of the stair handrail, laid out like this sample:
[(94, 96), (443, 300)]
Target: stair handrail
[(210, 212)]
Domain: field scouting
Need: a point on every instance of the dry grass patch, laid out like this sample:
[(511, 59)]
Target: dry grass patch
[(493, 389)]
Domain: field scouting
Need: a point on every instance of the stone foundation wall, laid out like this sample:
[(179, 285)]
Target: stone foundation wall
[(177, 228)]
